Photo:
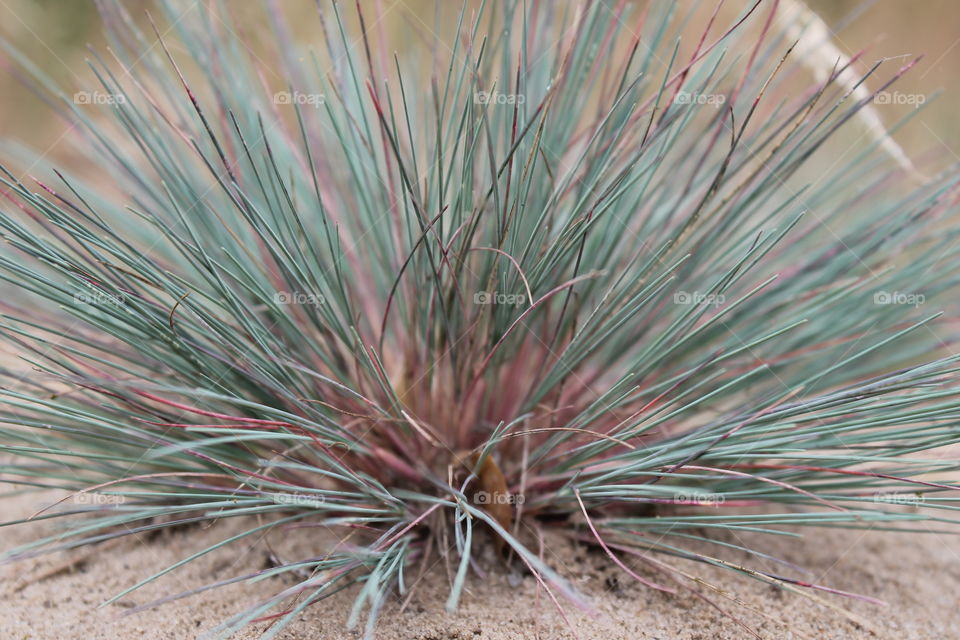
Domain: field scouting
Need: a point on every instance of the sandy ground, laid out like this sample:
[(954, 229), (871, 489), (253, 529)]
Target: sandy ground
[(916, 575)]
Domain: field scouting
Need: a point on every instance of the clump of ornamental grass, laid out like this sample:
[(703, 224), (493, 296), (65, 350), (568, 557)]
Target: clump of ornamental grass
[(548, 267)]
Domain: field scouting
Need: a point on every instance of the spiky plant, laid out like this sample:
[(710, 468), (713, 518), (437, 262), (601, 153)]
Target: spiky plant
[(545, 269)]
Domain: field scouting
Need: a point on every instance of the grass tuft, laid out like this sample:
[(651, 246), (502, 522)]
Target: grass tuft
[(547, 269)]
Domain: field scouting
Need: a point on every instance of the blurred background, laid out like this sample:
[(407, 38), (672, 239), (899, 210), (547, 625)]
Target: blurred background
[(58, 36)]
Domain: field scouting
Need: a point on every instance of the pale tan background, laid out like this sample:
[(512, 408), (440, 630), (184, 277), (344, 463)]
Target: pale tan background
[(55, 34)]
